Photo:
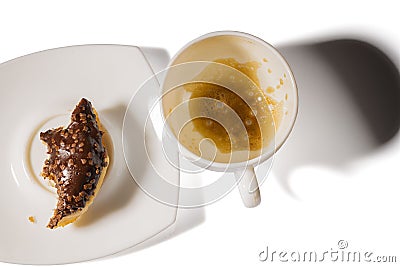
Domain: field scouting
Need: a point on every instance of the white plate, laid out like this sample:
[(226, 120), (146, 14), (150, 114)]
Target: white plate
[(38, 91)]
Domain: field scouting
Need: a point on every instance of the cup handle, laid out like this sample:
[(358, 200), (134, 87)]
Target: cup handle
[(248, 187)]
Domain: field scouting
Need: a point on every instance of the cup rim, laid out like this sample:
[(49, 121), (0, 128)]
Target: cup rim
[(219, 166)]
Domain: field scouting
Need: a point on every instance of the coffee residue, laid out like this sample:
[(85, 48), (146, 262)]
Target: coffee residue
[(258, 113)]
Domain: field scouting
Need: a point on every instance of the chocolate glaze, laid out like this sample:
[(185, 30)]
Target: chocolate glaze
[(77, 158)]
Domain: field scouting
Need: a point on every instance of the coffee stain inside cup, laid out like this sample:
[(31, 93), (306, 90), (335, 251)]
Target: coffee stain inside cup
[(232, 90)]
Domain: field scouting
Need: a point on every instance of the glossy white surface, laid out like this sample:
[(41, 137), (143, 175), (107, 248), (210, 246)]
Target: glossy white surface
[(38, 93)]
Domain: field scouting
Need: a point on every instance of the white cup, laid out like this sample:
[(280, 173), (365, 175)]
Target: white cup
[(274, 73)]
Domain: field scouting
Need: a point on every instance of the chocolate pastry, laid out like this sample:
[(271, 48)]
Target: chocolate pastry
[(77, 163)]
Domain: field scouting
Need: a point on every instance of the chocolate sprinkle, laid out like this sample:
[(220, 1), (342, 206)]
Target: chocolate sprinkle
[(75, 180)]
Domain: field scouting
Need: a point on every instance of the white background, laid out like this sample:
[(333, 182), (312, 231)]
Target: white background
[(357, 202)]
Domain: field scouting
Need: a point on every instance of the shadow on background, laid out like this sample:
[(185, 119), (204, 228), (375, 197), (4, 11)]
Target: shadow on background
[(349, 104)]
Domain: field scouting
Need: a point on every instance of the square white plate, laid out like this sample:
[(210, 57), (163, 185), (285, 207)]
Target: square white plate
[(38, 91)]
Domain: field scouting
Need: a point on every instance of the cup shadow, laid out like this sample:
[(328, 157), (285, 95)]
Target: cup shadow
[(349, 105)]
